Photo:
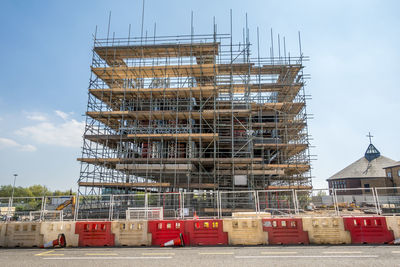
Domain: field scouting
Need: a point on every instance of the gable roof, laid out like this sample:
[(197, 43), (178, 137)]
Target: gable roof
[(363, 168)]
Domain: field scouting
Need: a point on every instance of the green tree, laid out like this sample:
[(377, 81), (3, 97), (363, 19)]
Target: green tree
[(6, 191), (39, 190), (31, 191), (63, 193)]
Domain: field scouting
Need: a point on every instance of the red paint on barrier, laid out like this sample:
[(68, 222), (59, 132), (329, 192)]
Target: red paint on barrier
[(368, 230), (285, 231), (94, 234), (205, 232), (164, 231)]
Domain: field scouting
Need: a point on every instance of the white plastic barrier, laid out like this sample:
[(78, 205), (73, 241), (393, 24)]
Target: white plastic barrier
[(23, 234), (51, 230)]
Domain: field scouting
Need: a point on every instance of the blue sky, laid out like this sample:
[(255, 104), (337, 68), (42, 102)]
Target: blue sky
[(44, 75)]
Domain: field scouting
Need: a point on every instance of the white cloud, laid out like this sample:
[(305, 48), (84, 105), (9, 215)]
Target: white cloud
[(28, 148), (9, 143), (62, 114), (37, 117), (5, 142), (65, 134)]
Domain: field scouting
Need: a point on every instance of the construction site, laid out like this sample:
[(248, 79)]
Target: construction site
[(194, 113)]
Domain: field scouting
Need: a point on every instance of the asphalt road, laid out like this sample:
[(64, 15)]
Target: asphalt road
[(206, 256)]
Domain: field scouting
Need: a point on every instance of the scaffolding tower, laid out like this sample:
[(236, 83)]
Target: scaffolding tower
[(193, 112)]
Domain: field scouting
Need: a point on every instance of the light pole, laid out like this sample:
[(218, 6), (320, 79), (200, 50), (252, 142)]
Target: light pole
[(12, 194)]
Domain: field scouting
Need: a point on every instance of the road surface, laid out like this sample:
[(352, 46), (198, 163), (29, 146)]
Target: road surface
[(206, 256)]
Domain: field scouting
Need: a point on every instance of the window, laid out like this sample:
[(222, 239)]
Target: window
[(398, 172), (366, 186), (389, 174)]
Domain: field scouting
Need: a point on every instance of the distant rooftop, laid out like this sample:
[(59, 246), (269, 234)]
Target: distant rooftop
[(370, 166)]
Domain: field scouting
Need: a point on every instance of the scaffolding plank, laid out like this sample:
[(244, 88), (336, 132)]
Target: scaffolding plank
[(193, 136), (158, 50), (113, 161), (100, 161), (194, 70), (115, 94), (288, 149), (110, 118), (143, 185), (111, 140), (116, 184)]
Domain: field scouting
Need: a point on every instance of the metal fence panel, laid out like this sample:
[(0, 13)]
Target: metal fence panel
[(316, 202), (237, 201), (201, 204), (388, 200), (121, 203), (206, 204), (93, 207), (276, 202), (170, 202), (20, 207), (5, 209), (54, 204), (356, 201)]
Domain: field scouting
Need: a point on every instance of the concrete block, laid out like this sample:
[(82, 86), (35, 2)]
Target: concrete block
[(245, 231), (326, 230), (131, 233)]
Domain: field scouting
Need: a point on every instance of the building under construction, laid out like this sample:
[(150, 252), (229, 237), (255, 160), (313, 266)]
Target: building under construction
[(194, 112)]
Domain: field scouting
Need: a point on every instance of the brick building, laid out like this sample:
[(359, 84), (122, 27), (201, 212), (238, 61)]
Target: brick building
[(372, 170), (393, 173)]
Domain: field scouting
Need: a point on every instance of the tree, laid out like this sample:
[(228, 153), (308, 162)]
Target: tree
[(39, 190), (31, 191), (6, 191)]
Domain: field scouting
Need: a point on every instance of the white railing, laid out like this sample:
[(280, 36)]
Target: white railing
[(46, 215), (144, 214)]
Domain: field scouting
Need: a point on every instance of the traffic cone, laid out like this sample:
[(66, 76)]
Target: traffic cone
[(175, 242), (195, 217), (60, 242), (395, 242)]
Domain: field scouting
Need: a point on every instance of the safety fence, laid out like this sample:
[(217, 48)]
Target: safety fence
[(204, 205), (263, 230)]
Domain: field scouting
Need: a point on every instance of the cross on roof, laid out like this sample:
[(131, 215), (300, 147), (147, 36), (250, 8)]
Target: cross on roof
[(370, 136)]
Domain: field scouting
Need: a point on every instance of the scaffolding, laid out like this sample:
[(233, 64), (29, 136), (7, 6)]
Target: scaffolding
[(193, 113)]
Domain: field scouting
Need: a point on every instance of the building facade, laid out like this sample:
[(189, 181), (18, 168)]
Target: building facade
[(393, 174)]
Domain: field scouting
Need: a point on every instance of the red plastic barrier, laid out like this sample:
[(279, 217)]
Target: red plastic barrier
[(285, 231), (163, 231), (368, 230), (205, 232), (94, 234)]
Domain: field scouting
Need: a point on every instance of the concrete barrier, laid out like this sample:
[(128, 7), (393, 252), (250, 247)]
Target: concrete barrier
[(3, 227), (23, 234), (326, 230), (50, 231), (245, 231), (131, 233), (393, 223)]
